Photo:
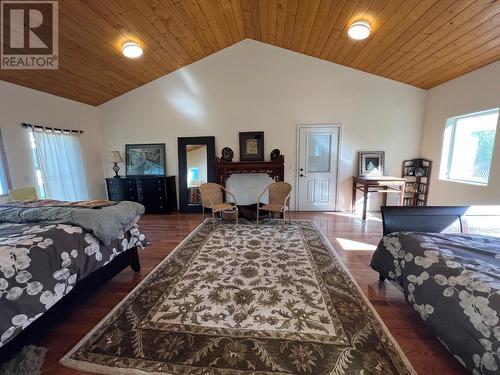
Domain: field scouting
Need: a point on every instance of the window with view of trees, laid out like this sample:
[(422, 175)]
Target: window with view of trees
[(468, 147)]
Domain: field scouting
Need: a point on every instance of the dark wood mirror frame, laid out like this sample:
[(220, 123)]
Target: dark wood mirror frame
[(182, 142)]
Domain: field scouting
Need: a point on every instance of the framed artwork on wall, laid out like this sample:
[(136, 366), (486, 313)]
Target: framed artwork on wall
[(252, 146), (371, 163), (145, 159)]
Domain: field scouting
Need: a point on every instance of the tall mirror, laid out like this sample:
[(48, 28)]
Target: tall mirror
[(196, 166)]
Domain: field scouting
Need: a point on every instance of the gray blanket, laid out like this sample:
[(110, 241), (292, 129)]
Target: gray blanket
[(453, 282), (106, 223)]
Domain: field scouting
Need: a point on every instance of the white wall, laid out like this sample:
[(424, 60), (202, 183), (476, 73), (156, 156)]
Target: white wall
[(476, 91), (19, 104), (253, 86)]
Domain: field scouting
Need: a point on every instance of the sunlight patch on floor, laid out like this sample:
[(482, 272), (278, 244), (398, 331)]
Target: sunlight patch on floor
[(354, 245), (370, 216)]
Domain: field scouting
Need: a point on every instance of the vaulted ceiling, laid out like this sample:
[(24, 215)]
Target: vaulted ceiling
[(419, 42)]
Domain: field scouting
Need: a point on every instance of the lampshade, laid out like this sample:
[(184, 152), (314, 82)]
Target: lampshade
[(115, 157)]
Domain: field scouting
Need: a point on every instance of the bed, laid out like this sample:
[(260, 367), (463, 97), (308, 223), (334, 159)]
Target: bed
[(449, 274), (50, 251)]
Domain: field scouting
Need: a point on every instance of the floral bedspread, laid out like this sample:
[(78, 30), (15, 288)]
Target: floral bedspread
[(40, 263), (453, 282)]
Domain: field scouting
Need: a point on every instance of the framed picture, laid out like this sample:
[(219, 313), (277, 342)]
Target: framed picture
[(252, 146), (145, 159), (371, 163)]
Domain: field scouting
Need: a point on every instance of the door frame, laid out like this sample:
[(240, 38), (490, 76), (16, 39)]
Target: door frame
[(339, 154)]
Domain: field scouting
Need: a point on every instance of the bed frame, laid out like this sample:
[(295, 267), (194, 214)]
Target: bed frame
[(438, 219), (82, 290)]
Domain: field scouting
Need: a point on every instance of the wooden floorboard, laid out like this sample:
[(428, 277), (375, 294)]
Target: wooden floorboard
[(347, 233)]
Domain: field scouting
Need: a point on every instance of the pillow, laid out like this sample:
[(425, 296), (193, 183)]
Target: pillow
[(23, 194)]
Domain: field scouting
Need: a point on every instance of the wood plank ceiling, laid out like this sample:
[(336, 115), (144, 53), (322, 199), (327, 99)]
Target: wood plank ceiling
[(419, 42)]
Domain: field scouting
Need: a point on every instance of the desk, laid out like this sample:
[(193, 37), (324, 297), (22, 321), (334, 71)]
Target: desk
[(379, 184)]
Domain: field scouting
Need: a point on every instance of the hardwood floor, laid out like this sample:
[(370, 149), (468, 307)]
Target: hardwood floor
[(354, 241)]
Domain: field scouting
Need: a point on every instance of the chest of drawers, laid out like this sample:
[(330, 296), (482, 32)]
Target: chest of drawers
[(156, 194)]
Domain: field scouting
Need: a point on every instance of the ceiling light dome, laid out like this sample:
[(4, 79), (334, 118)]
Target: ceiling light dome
[(359, 30), (131, 49)]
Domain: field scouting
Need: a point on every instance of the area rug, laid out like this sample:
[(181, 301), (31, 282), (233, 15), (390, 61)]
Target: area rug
[(241, 299), (28, 361)]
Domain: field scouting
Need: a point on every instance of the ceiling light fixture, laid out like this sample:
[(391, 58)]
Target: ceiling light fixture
[(131, 49), (359, 30)]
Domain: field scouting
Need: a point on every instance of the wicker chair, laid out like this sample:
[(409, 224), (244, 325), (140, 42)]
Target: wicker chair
[(212, 197), (279, 199)]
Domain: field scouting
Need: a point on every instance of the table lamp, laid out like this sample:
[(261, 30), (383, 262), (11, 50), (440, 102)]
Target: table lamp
[(115, 157)]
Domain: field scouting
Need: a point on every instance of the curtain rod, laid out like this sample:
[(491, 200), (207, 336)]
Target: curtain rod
[(52, 129)]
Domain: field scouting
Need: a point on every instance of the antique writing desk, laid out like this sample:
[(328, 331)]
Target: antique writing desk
[(380, 184)]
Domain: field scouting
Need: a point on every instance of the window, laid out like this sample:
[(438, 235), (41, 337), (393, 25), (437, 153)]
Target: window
[(38, 171), (193, 176), (59, 166), (468, 147), (5, 183)]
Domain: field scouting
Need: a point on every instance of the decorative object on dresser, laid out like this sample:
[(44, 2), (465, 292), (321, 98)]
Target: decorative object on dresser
[(275, 154), (115, 157), (156, 193), (196, 157), (274, 168), (371, 163), (252, 146), (417, 173), (145, 159), (227, 154)]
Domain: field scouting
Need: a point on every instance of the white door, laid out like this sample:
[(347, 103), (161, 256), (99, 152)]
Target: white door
[(317, 167)]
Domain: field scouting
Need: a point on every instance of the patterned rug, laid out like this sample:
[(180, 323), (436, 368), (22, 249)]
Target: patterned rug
[(242, 299), (28, 361)]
